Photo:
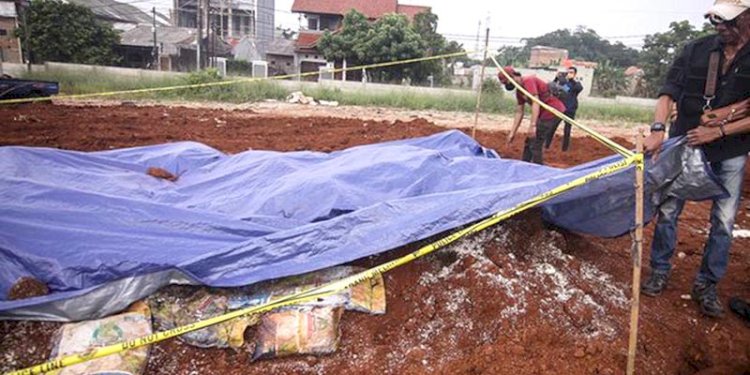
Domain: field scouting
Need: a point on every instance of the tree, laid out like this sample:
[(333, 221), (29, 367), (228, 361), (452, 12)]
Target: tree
[(67, 32), (585, 44), (393, 39), (349, 42), (609, 80), (425, 24), (510, 55), (660, 50)]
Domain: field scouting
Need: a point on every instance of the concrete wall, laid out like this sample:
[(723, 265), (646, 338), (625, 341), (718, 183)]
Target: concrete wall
[(20, 69), (345, 86), (351, 86), (122, 72), (281, 63), (10, 47), (623, 101), (17, 70)]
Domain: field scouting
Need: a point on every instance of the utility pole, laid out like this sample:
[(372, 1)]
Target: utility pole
[(212, 43), (221, 17), (479, 29), (206, 18), (26, 32), (230, 22), (155, 53), (481, 83), (199, 26)]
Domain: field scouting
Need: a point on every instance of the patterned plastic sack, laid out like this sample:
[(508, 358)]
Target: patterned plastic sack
[(178, 306), (367, 296), (79, 337), (309, 330)]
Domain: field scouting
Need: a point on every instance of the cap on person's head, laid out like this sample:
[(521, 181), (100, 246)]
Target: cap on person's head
[(728, 9), (511, 72)]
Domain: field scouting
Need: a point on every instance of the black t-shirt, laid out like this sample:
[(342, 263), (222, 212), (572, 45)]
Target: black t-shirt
[(686, 82)]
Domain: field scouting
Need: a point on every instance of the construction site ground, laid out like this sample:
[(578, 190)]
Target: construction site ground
[(520, 298)]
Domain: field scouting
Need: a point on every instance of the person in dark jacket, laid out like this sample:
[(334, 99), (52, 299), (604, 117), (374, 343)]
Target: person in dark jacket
[(726, 147), (571, 87)]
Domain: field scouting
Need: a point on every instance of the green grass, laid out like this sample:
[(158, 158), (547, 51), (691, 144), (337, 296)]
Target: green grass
[(84, 83), (491, 103), (637, 114), (417, 101), (243, 92)]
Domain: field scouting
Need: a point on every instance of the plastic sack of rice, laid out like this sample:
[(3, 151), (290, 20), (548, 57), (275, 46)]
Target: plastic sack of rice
[(79, 337), (305, 330), (367, 296), (177, 306)]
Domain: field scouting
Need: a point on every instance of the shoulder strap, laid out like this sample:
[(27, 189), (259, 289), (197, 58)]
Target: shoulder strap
[(711, 79)]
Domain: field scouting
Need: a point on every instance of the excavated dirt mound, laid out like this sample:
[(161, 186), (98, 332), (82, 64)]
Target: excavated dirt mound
[(517, 299), (27, 287)]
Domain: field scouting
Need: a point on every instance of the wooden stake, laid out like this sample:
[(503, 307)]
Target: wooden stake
[(637, 253), (481, 84)]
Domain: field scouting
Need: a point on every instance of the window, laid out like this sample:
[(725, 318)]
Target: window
[(235, 25), (186, 18), (313, 22), (3, 32)]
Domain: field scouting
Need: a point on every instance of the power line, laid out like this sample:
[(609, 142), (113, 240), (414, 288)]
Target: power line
[(466, 38)]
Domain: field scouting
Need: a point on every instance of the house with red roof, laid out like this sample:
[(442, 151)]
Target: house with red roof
[(320, 15)]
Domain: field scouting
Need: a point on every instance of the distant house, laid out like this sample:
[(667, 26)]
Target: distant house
[(176, 48), (223, 24), (232, 19), (10, 46), (322, 15), (281, 57), (126, 15), (543, 56)]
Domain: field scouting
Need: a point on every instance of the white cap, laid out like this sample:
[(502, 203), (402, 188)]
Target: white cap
[(729, 9)]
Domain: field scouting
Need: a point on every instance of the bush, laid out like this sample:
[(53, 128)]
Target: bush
[(204, 76), (492, 86)]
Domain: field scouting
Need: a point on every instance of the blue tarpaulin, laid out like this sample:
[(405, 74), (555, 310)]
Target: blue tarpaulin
[(101, 233)]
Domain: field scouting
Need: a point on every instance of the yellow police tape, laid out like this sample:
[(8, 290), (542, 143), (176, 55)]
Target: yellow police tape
[(232, 82), (336, 286), (606, 141)]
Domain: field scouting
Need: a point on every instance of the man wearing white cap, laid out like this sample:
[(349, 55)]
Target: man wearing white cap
[(710, 73)]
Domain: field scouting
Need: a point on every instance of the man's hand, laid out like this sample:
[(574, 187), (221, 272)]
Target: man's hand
[(702, 135), (528, 132), (652, 144)]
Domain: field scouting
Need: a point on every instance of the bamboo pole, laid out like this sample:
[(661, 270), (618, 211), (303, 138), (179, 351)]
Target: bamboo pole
[(637, 253), (481, 83)]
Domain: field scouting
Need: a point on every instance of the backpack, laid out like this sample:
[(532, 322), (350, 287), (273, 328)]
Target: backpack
[(558, 90)]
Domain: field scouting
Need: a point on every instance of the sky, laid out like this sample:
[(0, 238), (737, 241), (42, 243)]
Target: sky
[(626, 21)]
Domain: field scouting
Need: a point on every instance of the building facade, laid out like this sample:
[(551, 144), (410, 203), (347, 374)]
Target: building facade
[(10, 45), (319, 16)]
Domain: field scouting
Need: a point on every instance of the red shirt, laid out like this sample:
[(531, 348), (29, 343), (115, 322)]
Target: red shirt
[(535, 86)]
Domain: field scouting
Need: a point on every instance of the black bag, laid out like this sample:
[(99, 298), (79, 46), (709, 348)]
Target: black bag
[(558, 87)]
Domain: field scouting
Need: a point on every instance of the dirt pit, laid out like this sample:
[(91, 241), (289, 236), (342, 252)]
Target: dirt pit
[(517, 299)]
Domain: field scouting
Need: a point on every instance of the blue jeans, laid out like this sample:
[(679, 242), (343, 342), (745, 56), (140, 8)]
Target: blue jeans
[(723, 211)]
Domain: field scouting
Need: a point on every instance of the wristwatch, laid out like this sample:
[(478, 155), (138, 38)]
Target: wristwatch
[(658, 127)]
